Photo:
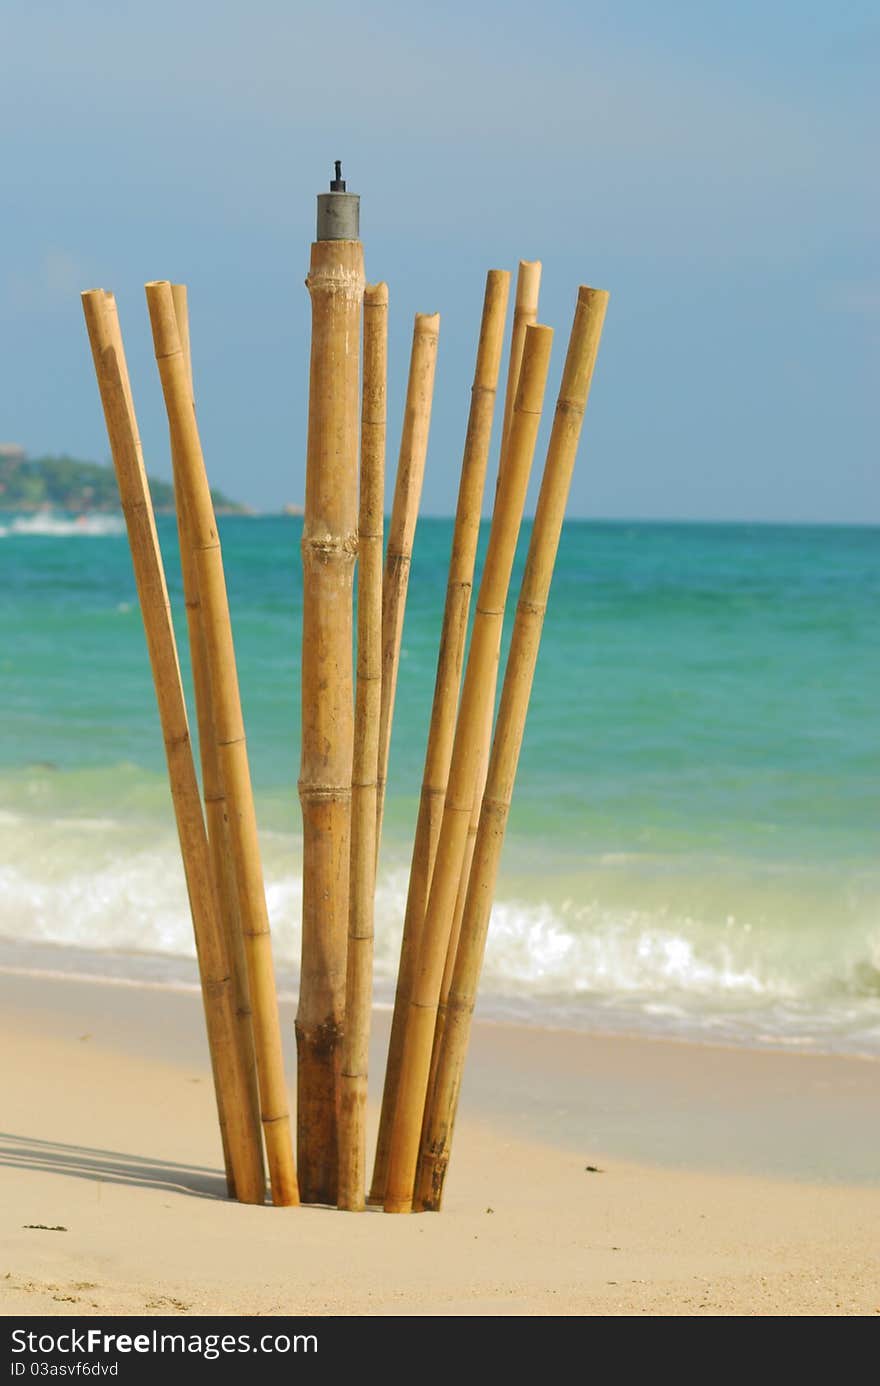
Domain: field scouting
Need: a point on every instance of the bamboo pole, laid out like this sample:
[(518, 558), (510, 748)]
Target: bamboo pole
[(573, 395), (362, 874), (464, 768), (329, 544), (232, 747), (525, 313), (446, 688), (402, 528), (212, 785), (230, 1075)]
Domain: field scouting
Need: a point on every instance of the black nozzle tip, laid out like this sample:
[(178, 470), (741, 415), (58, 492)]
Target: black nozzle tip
[(337, 184)]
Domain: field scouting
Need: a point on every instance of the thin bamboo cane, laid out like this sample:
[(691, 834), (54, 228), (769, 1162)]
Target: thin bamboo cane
[(463, 771), (212, 784), (329, 545), (362, 874), (574, 392), (458, 915), (232, 747), (525, 313), (231, 1079), (402, 528), (446, 688)]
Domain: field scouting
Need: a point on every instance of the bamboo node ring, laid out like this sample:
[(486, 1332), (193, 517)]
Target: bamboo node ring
[(180, 740), (325, 792), (328, 546)]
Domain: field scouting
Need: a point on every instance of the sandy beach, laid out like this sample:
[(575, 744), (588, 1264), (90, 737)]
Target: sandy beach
[(724, 1181)]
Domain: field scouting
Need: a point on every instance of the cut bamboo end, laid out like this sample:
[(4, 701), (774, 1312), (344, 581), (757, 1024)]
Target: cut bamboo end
[(180, 299), (229, 730), (491, 341), (573, 395), (446, 690), (528, 288)]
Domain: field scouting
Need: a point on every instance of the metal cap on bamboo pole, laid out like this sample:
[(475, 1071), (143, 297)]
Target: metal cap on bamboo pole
[(561, 453), (329, 545), (339, 211)]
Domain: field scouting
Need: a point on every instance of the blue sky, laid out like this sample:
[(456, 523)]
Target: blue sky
[(713, 166)]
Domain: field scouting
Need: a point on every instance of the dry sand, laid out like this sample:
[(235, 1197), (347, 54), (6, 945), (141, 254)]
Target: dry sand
[(731, 1182)]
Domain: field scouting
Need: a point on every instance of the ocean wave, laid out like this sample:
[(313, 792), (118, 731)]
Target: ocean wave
[(104, 885), (46, 523)]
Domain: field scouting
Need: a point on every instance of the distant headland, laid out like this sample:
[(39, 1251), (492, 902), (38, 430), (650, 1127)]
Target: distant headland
[(30, 484)]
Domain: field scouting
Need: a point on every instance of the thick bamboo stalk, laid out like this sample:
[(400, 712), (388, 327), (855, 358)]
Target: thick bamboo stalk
[(362, 874), (232, 747), (574, 392), (525, 312), (329, 545), (231, 1079), (464, 768), (446, 688), (212, 785), (402, 527)]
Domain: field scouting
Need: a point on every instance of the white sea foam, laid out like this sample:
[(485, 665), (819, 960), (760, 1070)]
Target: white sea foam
[(104, 885), (47, 523)]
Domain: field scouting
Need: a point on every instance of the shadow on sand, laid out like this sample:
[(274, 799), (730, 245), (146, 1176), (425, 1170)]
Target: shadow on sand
[(110, 1166)]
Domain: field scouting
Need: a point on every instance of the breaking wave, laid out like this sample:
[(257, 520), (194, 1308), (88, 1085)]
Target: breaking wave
[(102, 885)]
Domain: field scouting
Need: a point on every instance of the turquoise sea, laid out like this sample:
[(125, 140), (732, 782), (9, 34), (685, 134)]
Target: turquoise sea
[(693, 849)]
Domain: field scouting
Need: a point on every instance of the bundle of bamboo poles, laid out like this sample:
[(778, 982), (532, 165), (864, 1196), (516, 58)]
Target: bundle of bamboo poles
[(348, 705)]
